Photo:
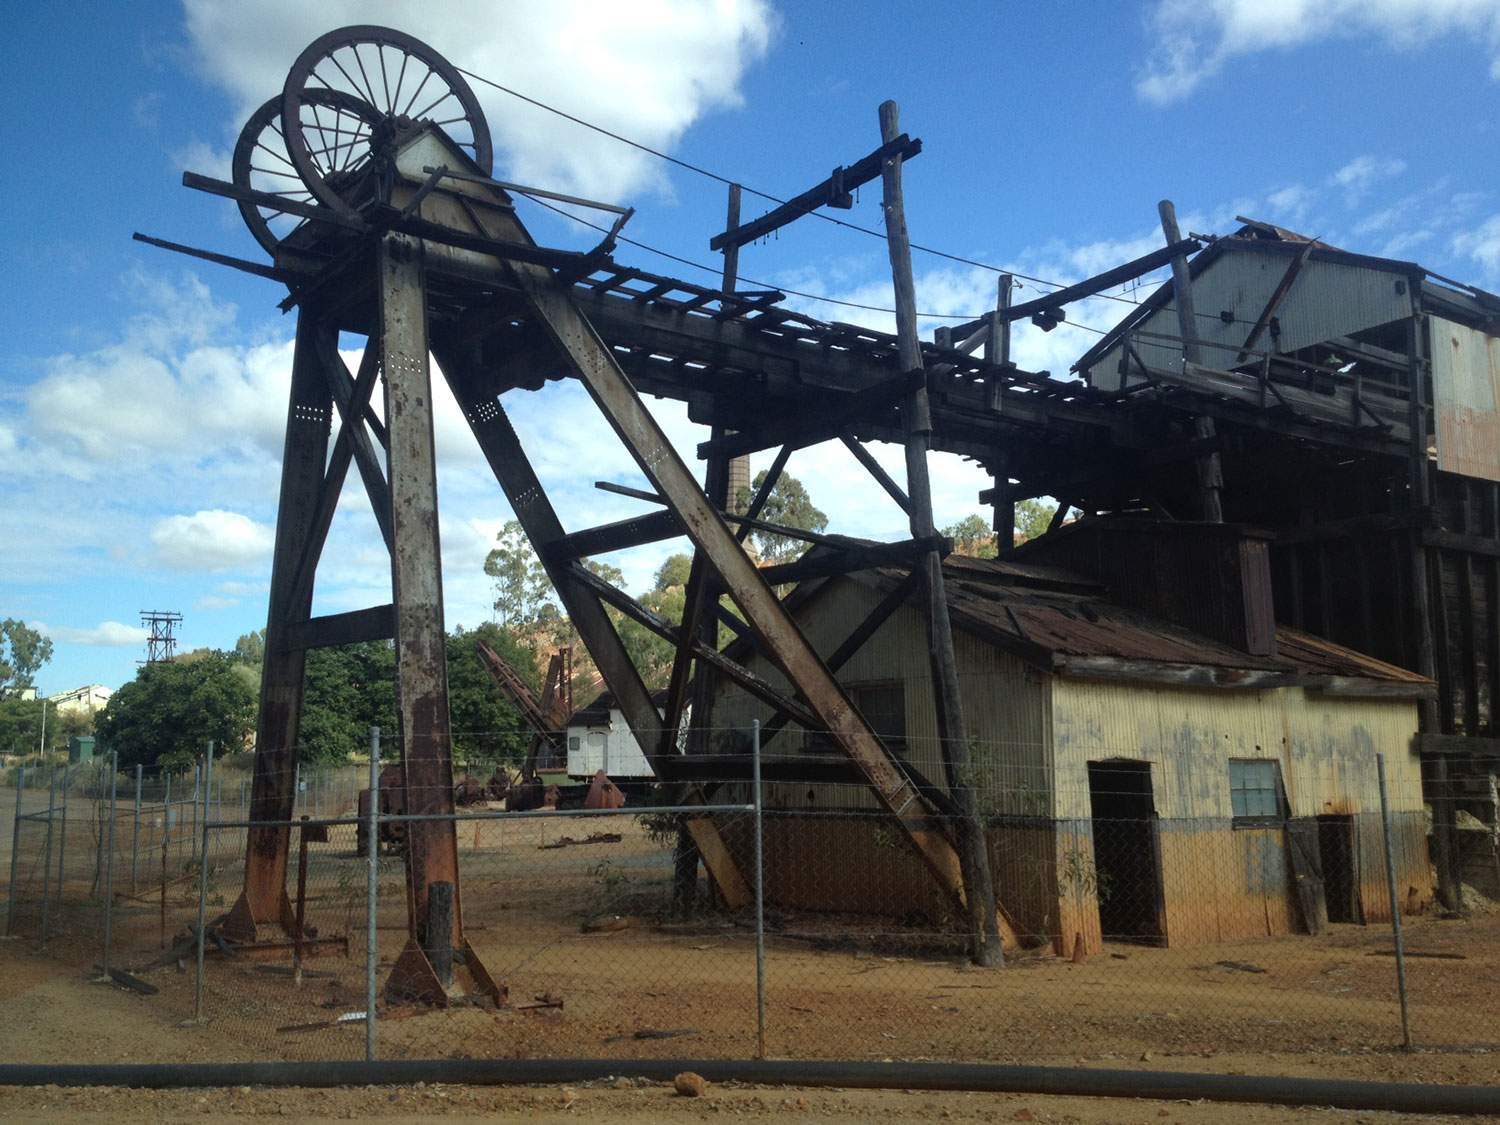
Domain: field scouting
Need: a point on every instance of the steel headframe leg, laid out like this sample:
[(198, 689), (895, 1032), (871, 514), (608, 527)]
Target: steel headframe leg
[(264, 901), (425, 970)]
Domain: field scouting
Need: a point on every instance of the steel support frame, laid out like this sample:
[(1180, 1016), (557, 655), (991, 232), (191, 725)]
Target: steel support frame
[(309, 414), (776, 633), (507, 459), (435, 922)]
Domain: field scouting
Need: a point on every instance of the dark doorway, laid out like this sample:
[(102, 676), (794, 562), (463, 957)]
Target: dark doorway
[(1340, 855), (1126, 861)]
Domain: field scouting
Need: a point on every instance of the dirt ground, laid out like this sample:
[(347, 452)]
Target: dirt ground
[(836, 988), (632, 1102)]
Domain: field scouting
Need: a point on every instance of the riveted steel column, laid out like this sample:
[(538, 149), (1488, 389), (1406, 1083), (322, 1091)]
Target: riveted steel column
[(309, 410), (416, 574)]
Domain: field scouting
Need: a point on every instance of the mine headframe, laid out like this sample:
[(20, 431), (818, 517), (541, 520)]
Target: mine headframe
[(368, 181)]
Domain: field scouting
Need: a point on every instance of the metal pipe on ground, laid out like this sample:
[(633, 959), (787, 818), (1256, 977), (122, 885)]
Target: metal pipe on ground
[(1399, 1097)]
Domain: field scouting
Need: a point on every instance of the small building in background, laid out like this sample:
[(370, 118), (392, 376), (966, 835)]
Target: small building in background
[(82, 700), (1155, 759), (81, 748), (599, 738)]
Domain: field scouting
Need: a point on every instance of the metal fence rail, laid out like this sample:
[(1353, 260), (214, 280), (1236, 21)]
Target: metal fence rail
[(1137, 933)]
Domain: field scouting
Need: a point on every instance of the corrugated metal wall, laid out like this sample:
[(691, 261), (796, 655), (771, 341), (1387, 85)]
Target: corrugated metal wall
[(1220, 882), (1328, 299), (1466, 390)]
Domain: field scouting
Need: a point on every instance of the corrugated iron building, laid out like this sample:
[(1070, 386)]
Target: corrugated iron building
[(1105, 741)]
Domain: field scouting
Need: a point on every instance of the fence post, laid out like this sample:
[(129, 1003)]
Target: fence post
[(135, 830), (47, 856), (1390, 882), (109, 862), (62, 836), (167, 818), (372, 848), (15, 852), (197, 796), (760, 900), (207, 772)]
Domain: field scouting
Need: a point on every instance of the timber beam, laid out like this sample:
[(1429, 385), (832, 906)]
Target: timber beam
[(832, 192), (855, 557)]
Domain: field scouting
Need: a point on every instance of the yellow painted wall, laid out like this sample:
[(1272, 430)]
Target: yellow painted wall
[(1222, 882), (1032, 736)]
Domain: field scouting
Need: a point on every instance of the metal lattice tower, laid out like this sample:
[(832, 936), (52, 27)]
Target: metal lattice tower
[(161, 638)]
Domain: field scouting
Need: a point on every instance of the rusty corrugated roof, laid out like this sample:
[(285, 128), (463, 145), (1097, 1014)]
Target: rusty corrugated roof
[(1078, 621)]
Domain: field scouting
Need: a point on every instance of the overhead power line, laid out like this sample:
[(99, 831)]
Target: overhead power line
[(698, 169)]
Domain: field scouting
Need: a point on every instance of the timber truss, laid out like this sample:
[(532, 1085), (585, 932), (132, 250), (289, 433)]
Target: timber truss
[(392, 228)]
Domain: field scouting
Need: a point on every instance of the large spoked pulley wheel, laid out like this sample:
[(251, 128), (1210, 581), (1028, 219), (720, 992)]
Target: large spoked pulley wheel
[(263, 162), (400, 78)]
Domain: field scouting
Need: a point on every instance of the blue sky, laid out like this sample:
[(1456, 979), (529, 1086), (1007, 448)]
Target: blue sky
[(141, 397)]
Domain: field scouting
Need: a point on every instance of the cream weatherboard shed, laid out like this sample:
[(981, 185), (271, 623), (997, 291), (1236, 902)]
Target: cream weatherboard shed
[(1139, 780)]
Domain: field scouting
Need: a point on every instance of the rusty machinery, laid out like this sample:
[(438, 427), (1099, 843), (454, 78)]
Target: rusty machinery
[(547, 717), (368, 181)]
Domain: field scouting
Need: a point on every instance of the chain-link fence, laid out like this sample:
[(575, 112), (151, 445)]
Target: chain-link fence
[(1145, 915)]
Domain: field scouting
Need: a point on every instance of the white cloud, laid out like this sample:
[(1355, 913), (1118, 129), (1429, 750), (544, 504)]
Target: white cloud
[(1357, 176), (648, 69), (211, 540), (1482, 245), (1195, 38), (1290, 204), (203, 158), (168, 390), (106, 634), (215, 601)]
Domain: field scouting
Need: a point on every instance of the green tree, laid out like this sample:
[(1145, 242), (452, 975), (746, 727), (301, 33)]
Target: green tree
[(21, 726), (789, 505), (972, 536), (23, 651), (251, 647), (173, 707), (673, 572), (521, 586), (487, 728), (1032, 518), (348, 690)]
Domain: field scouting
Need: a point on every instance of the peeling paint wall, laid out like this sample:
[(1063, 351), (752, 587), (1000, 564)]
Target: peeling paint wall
[(1032, 736), (1220, 882)]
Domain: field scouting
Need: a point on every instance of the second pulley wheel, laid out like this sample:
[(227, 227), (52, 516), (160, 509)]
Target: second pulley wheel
[(400, 78)]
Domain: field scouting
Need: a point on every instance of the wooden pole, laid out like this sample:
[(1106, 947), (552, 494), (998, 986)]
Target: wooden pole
[(979, 888), (1432, 714), (1210, 470), (997, 352)]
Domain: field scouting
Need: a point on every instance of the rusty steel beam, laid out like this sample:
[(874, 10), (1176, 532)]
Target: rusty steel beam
[(333, 479), (755, 685), (263, 899), (351, 414), (1210, 466), (780, 637), (508, 461), (435, 921)]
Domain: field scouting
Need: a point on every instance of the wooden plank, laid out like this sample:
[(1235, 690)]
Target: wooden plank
[(876, 470), (1051, 302), (831, 192)]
